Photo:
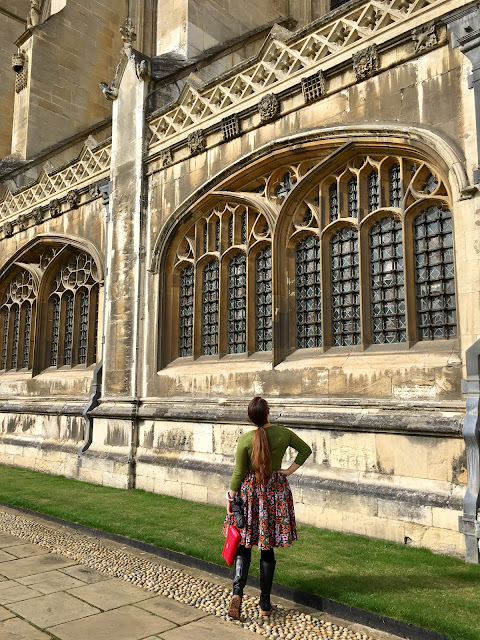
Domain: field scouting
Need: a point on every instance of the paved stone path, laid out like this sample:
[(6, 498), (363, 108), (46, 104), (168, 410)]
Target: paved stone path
[(45, 595)]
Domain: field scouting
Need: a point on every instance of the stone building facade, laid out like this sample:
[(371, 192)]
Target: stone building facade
[(202, 203)]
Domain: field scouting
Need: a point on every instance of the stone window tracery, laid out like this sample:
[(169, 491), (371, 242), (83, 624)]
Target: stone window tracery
[(16, 311), (61, 329), (72, 310), (365, 259)]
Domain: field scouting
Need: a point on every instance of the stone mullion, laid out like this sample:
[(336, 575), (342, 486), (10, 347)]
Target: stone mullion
[(198, 311), (366, 324)]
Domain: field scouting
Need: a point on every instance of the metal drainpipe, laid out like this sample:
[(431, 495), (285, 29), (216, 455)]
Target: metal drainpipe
[(468, 522), (93, 401)]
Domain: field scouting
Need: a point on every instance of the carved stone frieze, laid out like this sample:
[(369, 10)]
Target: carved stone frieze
[(36, 215), (73, 198), (313, 86), (196, 141), (166, 158), (366, 63), (424, 37), (230, 127), (54, 208), (7, 229), (268, 107), (93, 191), (22, 222)]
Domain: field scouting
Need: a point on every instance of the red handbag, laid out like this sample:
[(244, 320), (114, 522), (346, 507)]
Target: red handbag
[(231, 545)]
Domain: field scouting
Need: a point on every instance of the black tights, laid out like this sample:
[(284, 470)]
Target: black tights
[(267, 555)]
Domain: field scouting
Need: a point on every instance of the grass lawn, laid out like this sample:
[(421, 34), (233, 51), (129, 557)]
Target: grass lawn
[(413, 585)]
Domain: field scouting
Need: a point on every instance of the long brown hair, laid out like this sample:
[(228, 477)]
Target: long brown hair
[(261, 457)]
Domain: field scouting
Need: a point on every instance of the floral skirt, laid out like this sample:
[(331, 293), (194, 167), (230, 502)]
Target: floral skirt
[(268, 512)]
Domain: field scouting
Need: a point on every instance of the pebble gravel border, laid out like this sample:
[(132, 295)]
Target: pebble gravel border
[(285, 624)]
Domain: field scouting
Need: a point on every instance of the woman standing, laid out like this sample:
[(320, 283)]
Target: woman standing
[(268, 504)]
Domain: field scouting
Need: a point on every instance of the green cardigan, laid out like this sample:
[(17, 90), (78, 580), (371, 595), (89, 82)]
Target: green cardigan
[(279, 438)]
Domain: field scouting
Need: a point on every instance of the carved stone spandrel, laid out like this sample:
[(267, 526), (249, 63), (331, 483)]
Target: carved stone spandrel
[(268, 107), (366, 63), (196, 141), (424, 37)]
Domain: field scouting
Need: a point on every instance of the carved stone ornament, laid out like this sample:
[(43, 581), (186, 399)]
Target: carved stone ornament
[(230, 127), (73, 198), (54, 208), (196, 141), (36, 215), (313, 86), (166, 157), (93, 191), (365, 62), (8, 229), (22, 222), (424, 37), (268, 107), (18, 61), (110, 93), (128, 31), (34, 14)]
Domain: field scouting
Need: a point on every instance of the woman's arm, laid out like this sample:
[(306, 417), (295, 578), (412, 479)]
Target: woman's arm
[(291, 469)]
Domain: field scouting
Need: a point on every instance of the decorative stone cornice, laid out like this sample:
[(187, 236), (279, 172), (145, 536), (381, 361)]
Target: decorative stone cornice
[(92, 164), (283, 58)]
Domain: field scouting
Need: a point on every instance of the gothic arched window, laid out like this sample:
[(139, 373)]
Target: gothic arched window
[(308, 293), (17, 317)]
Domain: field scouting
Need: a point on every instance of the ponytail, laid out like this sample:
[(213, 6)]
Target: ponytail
[(261, 457)]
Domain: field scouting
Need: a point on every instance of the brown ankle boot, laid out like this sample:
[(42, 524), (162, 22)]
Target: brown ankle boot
[(235, 607)]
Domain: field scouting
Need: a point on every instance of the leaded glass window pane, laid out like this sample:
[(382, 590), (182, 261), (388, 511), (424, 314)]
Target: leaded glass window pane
[(230, 230), (345, 288), (83, 342), (55, 331), (26, 336), (68, 340), (210, 308), (5, 337), (237, 304), (395, 186), (205, 238), (285, 186), (244, 228), (217, 235), (352, 197), (15, 337), (309, 293), (185, 329), (373, 191), (387, 280), (434, 275), (263, 273), (333, 201)]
